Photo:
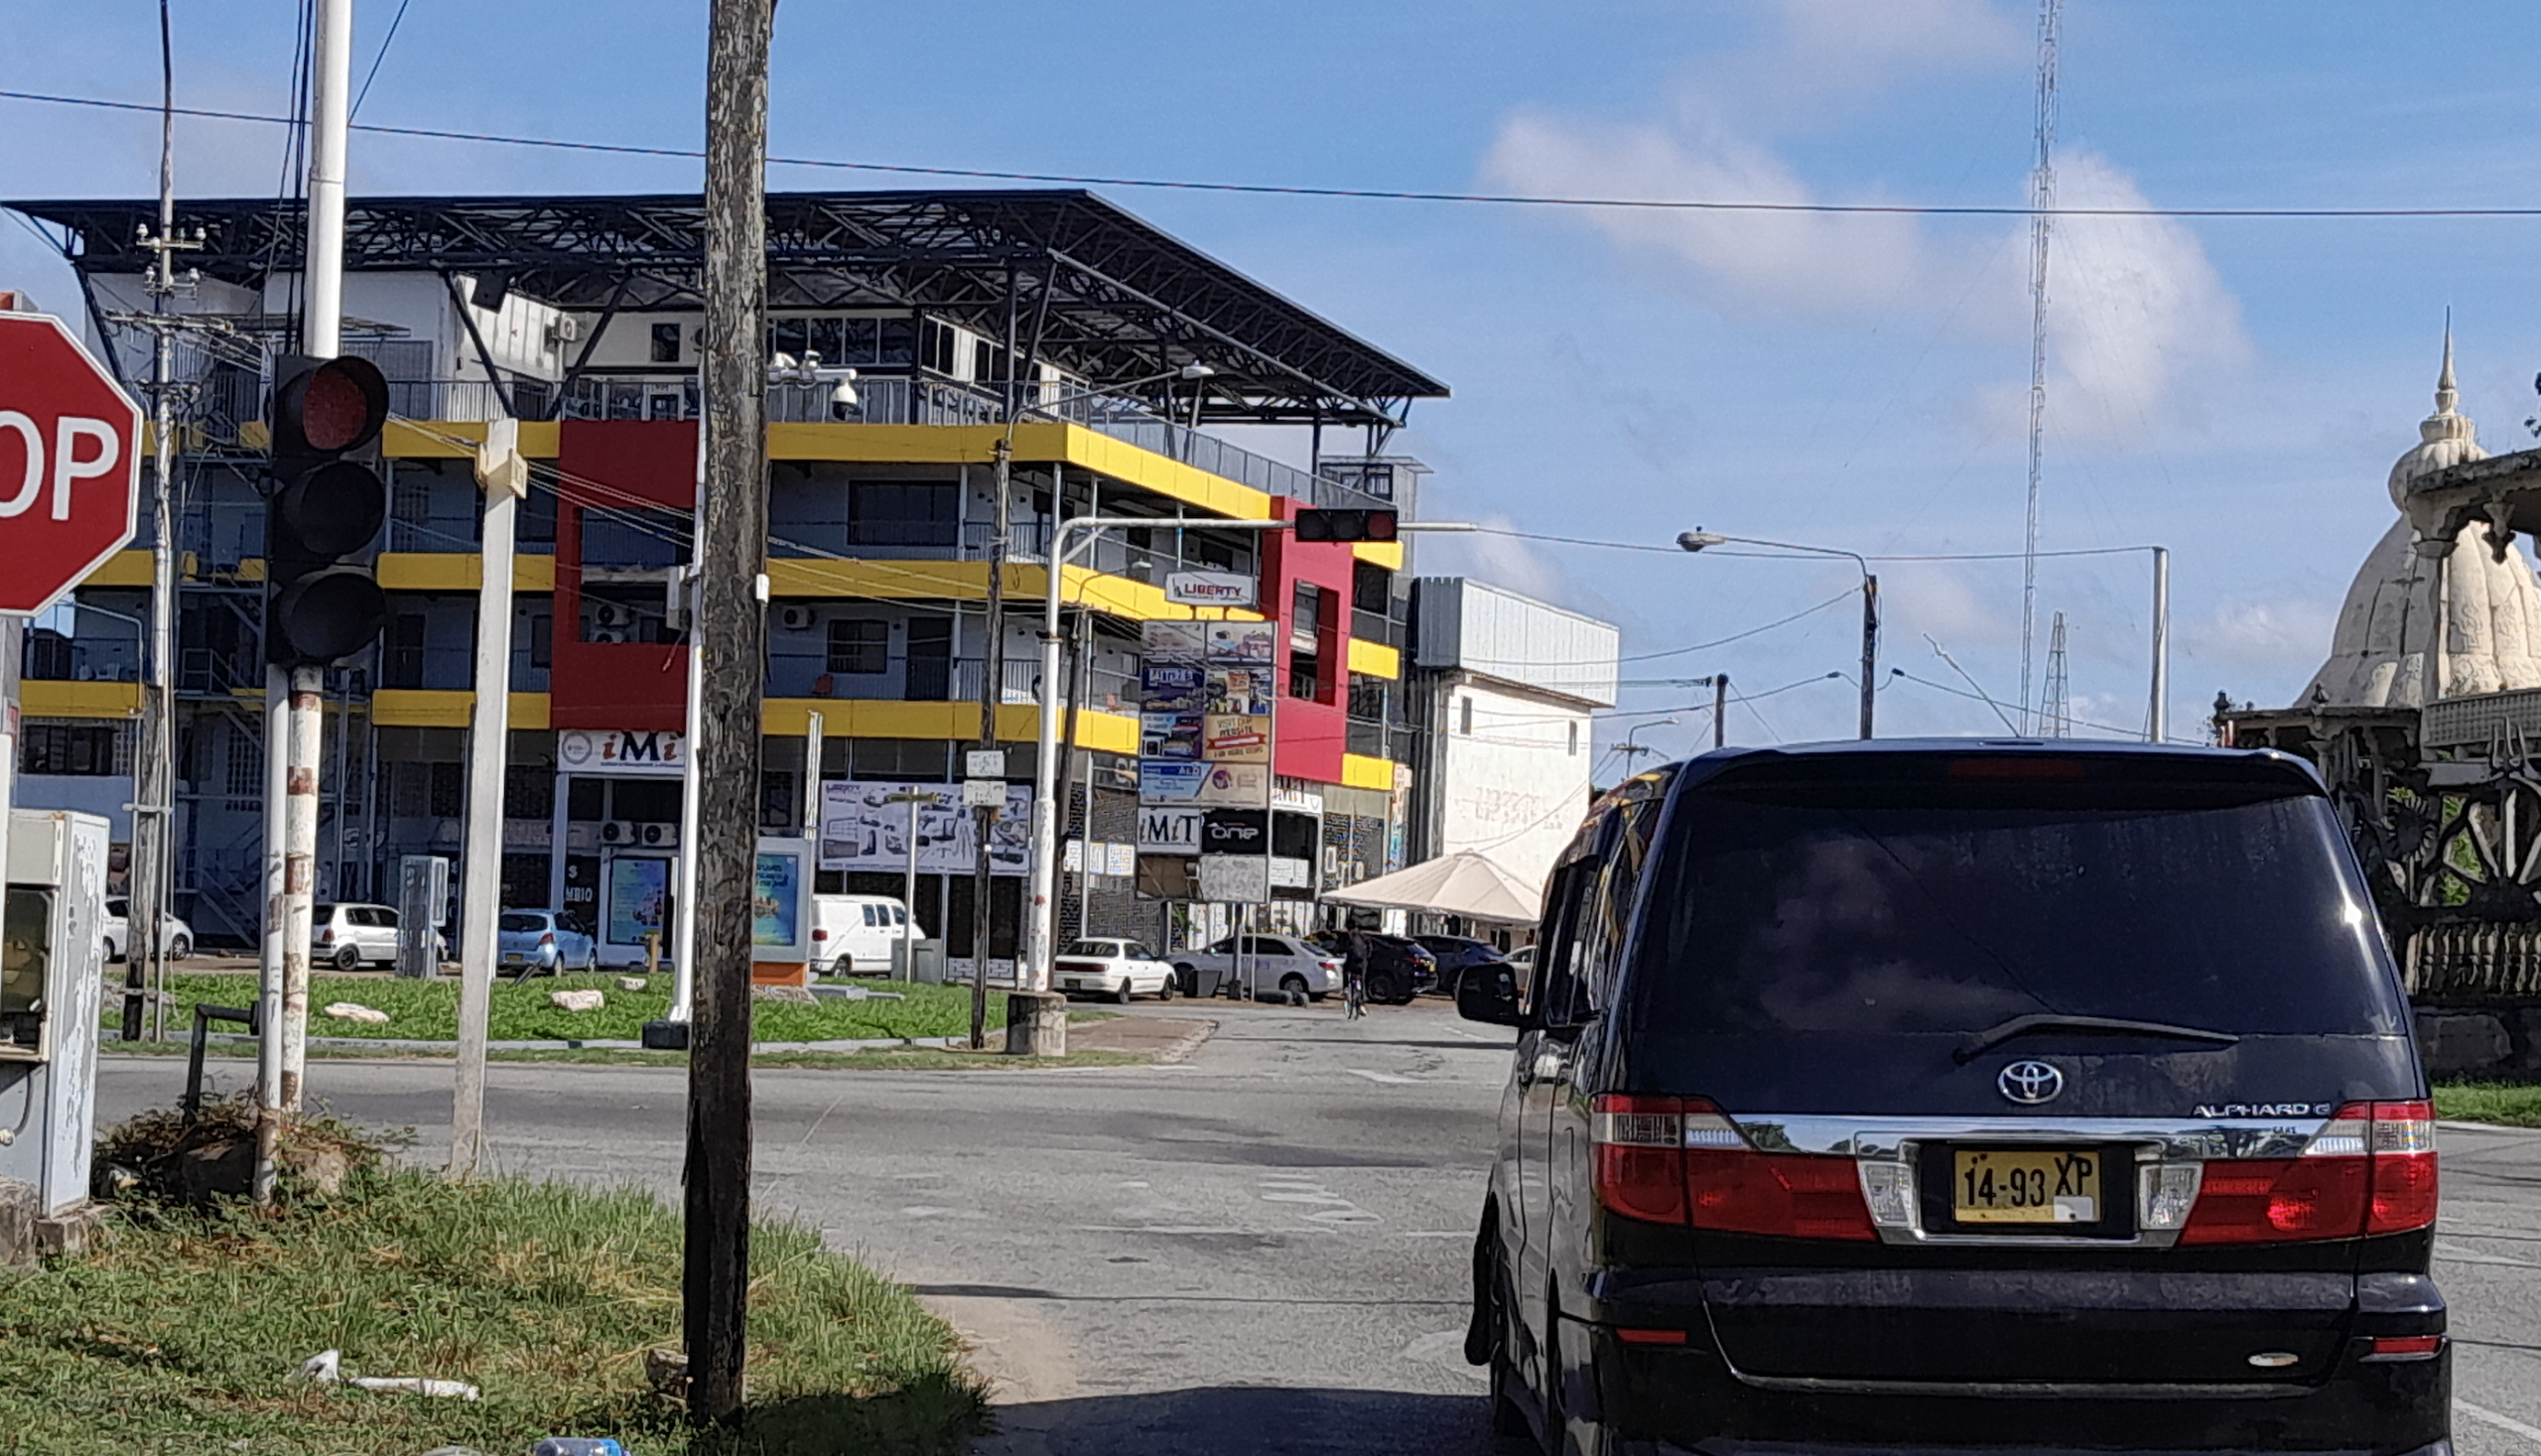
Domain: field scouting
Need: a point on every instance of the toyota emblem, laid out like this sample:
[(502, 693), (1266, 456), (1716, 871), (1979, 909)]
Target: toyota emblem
[(2030, 1082)]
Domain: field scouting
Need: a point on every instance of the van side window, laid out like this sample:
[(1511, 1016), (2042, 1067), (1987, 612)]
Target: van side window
[(1554, 1001), (1607, 918)]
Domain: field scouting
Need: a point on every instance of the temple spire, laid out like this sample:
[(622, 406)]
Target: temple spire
[(2446, 396)]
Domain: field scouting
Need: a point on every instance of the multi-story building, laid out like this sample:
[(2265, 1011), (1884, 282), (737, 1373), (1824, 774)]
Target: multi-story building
[(1505, 689), (965, 315)]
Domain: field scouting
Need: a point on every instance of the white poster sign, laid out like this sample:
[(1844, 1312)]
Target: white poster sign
[(1233, 786), (652, 752), (1234, 879), (863, 828), (1208, 589), (1169, 830)]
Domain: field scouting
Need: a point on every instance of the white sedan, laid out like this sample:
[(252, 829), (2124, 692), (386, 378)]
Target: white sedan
[(1118, 969)]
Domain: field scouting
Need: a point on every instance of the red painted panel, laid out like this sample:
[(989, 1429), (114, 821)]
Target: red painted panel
[(1313, 734), (632, 463)]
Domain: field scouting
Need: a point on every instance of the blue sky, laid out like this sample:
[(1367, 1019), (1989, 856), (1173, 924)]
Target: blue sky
[(2235, 390)]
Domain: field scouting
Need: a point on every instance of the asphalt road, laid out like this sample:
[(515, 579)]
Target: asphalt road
[(1259, 1251)]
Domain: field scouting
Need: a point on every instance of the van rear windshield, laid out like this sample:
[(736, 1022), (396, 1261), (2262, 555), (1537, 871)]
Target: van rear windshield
[(1848, 908)]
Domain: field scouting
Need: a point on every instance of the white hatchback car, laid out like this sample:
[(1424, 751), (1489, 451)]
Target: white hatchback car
[(1118, 969), (175, 937), (345, 936)]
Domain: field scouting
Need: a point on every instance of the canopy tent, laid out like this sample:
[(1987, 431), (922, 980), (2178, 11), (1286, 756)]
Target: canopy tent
[(1463, 883)]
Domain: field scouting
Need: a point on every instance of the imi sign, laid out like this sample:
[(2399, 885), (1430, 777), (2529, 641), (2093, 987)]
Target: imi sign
[(70, 462)]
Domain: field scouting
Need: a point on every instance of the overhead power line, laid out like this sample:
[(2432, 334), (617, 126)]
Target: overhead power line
[(1387, 194)]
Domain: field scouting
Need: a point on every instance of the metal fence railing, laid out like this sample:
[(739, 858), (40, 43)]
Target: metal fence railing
[(2474, 961)]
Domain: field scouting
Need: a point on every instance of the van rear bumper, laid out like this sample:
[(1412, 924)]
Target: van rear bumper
[(1685, 1399)]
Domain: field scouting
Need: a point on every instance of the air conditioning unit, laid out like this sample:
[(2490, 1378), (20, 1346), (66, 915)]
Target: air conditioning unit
[(564, 329), (658, 836), (617, 832), (608, 634), (608, 615), (795, 619)]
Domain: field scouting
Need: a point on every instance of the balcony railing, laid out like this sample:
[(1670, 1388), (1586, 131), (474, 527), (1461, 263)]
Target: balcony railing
[(1021, 681)]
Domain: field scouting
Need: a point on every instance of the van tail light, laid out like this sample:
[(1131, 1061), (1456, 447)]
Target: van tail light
[(819, 934), (1682, 1160), (2369, 1170)]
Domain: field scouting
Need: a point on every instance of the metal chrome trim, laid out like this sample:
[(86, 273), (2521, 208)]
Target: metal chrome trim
[(2193, 1140)]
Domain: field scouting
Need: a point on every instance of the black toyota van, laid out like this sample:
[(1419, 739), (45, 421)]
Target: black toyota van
[(1962, 1095)]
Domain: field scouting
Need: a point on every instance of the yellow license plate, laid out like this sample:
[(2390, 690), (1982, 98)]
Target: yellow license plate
[(2047, 1186)]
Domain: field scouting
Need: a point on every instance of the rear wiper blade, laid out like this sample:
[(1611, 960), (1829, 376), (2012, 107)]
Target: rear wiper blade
[(2019, 1026)]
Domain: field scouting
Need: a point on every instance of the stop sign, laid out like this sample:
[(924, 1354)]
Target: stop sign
[(70, 462)]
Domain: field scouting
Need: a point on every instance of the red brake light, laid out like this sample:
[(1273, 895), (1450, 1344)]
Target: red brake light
[(1672, 1161), (820, 935), (547, 938), (2369, 1171)]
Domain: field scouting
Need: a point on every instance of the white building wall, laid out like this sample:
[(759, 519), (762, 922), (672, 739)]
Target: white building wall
[(1514, 775)]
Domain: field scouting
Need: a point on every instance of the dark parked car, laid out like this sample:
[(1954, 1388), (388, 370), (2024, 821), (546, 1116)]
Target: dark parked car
[(1456, 954), (1399, 967), (1944, 1095)]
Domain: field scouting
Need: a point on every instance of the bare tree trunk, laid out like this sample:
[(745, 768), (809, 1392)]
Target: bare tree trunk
[(729, 629)]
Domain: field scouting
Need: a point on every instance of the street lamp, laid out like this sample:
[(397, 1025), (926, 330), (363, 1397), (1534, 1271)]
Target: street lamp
[(1697, 539), (1630, 750), (1040, 932), (1035, 963)]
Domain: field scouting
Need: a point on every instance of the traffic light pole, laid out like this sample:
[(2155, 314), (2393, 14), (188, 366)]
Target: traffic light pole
[(294, 701)]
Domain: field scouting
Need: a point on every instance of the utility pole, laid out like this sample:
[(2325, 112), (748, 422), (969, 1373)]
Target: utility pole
[(731, 631), (503, 476), (1720, 710), (991, 693), (294, 704), (1870, 650), (153, 828), (2042, 226), (2157, 714)]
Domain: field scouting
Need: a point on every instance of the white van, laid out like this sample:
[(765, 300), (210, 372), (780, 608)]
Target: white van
[(853, 934)]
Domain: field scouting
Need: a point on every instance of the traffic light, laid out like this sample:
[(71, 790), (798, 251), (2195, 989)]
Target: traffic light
[(1345, 525), (326, 503)]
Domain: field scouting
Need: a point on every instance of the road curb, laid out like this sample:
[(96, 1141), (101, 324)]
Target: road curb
[(1185, 1044)]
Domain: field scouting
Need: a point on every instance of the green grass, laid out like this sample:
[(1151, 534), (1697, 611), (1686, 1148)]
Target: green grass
[(428, 1011), (179, 1332), (877, 1059), (2509, 1103)]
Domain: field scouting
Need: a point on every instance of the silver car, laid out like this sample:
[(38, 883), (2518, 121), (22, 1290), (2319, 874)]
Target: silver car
[(548, 941)]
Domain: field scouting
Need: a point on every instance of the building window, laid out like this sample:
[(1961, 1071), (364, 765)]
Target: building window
[(542, 640), (88, 750), (529, 791), (859, 646), (1464, 717), (665, 343), (904, 513), (449, 790), (1574, 739)]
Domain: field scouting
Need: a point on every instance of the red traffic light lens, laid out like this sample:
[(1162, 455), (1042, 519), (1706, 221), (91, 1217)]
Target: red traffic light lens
[(1381, 526), (340, 405)]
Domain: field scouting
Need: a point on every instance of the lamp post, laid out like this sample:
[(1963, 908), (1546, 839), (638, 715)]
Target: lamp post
[(1631, 751), (1038, 929), (1697, 539)]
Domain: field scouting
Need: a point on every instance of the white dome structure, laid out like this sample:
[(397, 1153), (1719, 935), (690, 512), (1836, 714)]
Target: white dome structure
[(2490, 609)]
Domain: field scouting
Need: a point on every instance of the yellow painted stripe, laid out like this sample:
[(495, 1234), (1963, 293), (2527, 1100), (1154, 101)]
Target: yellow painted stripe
[(1358, 771), (458, 571), (968, 581), (78, 699), (450, 708), (882, 718), (449, 439), (123, 569), (1374, 659), (1387, 553)]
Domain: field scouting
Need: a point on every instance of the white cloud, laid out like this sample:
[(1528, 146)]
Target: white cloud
[(2136, 309)]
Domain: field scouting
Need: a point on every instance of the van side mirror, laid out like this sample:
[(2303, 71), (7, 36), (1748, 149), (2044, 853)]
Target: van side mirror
[(1488, 993)]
